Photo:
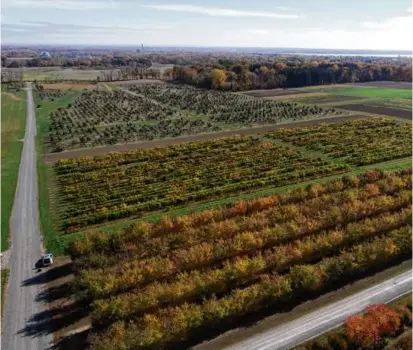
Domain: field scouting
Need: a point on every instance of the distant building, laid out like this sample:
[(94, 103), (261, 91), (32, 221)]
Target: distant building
[(45, 54)]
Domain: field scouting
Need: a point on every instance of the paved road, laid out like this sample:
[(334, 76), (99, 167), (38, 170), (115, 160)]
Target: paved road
[(25, 321), (295, 332)]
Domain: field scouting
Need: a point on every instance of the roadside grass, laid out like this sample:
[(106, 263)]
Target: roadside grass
[(13, 122), (371, 92), (44, 172), (58, 242), (4, 279), (237, 335)]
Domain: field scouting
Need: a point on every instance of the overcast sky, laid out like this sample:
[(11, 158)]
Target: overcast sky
[(344, 24)]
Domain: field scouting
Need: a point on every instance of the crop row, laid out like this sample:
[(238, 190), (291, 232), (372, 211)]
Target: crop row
[(143, 239), (146, 282), (171, 176), (197, 285), (356, 142), (133, 273), (172, 324), (103, 117), (227, 107), (49, 95)]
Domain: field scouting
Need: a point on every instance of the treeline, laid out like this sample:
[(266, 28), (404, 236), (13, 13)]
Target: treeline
[(94, 62), (249, 75), (129, 73)]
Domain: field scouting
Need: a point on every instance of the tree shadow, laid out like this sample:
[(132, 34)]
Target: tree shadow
[(74, 341), (55, 319), (51, 274), (55, 293)]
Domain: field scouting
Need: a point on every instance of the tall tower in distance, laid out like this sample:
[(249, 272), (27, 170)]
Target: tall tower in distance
[(142, 49)]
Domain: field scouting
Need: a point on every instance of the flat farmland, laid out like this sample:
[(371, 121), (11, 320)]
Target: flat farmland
[(32, 74), (130, 184), (392, 112), (69, 86), (392, 99), (373, 92), (274, 93), (357, 142), (258, 130), (196, 276), (158, 111)]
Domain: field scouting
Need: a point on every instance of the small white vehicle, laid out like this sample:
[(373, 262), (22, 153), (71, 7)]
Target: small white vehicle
[(47, 259)]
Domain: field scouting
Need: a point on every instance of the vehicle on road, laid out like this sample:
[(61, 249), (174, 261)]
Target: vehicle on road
[(47, 259)]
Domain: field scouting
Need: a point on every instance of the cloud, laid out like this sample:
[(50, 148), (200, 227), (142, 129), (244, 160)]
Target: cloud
[(409, 9), (219, 12), (42, 29), (60, 4)]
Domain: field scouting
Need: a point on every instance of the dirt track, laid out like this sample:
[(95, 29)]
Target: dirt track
[(54, 157)]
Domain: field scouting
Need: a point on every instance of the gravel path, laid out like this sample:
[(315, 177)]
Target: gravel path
[(25, 319)]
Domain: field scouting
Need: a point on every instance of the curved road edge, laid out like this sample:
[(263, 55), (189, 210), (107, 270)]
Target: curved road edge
[(326, 318)]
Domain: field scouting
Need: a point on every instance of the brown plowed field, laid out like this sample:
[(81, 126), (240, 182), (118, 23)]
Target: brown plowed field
[(392, 112), (275, 92), (328, 99), (54, 157), (387, 84)]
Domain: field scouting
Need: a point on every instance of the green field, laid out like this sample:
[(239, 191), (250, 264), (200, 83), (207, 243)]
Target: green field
[(13, 121), (43, 170), (31, 74), (371, 92)]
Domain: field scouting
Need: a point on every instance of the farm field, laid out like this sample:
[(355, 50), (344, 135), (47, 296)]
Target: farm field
[(92, 193), (159, 111), (357, 142), (195, 276), (13, 121), (392, 112), (55, 73), (373, 92), (105, 188), (87, 152), (378, 98)]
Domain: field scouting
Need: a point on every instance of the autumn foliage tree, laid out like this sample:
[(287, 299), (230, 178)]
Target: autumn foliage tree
[(369, 329), (218, 77)]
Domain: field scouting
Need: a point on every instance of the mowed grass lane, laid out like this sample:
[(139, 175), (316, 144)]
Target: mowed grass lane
[(371, 92), (13, 121)]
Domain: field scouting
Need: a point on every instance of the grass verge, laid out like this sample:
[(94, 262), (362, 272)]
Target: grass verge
[(13, 122), (45, 178)]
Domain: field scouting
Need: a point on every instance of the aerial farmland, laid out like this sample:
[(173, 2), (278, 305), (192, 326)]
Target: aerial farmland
[(204, 205)]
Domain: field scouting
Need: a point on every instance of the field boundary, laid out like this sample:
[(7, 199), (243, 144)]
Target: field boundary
[(85, 152)]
